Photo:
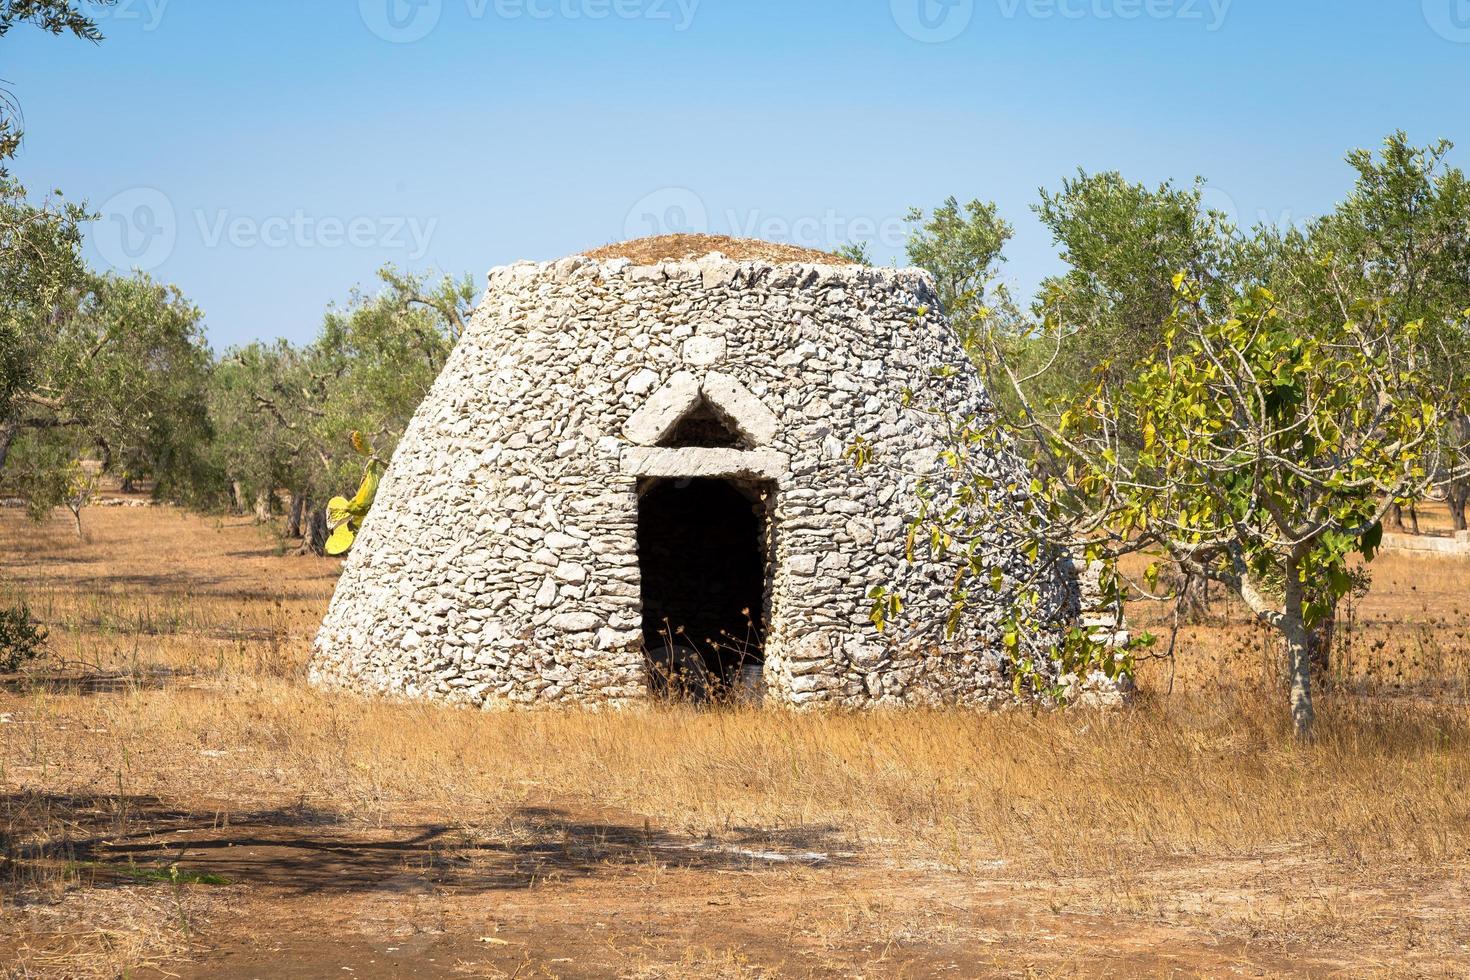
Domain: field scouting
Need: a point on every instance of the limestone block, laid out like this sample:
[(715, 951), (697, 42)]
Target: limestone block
[(663, 410), (736, 464), (740, 407), (704, 351)]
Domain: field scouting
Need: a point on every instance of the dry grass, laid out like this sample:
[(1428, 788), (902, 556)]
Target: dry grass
[(1081, 793), (1192, 812)]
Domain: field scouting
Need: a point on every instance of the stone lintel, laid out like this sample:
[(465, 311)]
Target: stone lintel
[(733, 464)]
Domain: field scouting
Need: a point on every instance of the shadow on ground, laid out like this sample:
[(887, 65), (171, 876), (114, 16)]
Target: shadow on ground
[(86, 681), (106, 841)]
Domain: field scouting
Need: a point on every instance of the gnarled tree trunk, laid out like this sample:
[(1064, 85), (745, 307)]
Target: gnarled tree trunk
[(1396, 519), (1195, 605), (314, 538), (8, 432), (1457, 491), (1457, 495), (296, 516)]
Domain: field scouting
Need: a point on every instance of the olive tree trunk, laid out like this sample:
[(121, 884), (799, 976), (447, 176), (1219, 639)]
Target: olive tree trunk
[(8, 432), (1396, 519), (1457, 491), (262, 506), (296, 516), (1457, 494), (314, 534)]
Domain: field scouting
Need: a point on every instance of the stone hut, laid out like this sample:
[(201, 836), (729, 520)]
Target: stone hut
[(632, 472)]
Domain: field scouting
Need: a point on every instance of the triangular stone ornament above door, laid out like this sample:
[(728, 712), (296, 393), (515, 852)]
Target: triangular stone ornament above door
[(736, 405)]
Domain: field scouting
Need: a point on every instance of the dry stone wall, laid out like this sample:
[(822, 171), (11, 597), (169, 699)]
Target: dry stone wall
[(500, 563)]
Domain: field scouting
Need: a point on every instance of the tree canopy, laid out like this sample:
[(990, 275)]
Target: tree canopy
[(1248, 405)]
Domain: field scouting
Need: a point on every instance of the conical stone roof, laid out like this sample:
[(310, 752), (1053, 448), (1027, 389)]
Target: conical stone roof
[(501, 563)]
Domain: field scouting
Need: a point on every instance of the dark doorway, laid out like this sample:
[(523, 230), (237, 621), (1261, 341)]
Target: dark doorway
[(705, 427), (702, 556)]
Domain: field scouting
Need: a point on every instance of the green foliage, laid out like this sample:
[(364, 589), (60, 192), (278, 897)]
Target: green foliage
[(148, 874), (376, 359), (53, 16), (46, 471), (101, 367), (1079, 654), (259, 409), (1258, 448), (960, 249), (22, 640), (1403, 238), (1286, 450), (970, 517), (1245, 405), (1405, 230), (115, 369), (1122, 243), (856, 252), (40, 265)]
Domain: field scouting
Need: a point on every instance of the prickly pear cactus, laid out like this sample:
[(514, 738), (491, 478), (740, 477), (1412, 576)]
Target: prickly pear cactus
[(345, 517)]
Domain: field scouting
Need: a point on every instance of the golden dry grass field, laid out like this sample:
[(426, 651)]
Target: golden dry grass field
[(175, 801)]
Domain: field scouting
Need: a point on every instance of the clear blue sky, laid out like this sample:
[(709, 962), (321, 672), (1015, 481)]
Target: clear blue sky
[(269, 155)]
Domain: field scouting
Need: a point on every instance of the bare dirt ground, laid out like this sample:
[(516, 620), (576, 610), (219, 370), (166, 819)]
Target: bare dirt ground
[(174, 801)]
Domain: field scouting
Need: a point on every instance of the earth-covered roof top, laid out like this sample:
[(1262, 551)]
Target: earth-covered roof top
[(681, 248)]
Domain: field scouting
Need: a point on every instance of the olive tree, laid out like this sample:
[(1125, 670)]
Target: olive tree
[(1121, 243), (41, 270), (962, 249), (108, 369), (253, 452), (1403, 234)]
